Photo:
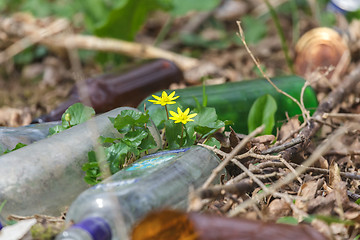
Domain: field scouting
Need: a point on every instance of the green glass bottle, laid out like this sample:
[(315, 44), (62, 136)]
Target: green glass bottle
[(233, 100)]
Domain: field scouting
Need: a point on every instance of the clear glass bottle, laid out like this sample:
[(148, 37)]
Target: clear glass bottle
[(343, 6), (46, 176), (10, 136), (155, 181)]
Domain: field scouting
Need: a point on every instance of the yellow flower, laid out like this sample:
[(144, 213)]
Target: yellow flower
[(182, 117), (164, 99)]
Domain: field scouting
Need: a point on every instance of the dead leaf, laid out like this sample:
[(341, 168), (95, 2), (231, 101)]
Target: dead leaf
[(306, 193), (277, 208), (334, 174), (14, 117), (322, 163), (287, 128)]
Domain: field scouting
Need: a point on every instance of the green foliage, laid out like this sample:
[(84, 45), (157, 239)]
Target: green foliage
[(288, 220), (136, 139), (254, 29), (181, 7), (2, 205), (350, 16), (262, 112), (74, 115), (357, 201), (207, 122), (333, 219), (126, 18), (18, 146)]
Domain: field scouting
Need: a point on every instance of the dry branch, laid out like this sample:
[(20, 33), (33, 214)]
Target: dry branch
[(24, 29), (325, 146), (328, 104), (229, 157)]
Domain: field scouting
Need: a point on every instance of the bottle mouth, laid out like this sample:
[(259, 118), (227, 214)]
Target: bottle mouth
[(97, 227), (344, 6)]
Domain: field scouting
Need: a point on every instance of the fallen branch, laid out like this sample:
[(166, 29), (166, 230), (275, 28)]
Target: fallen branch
[(24, 29), (324, 146), (329, 103), (222, 165)]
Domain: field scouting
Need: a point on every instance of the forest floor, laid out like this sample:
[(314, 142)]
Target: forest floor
[(308, 173)]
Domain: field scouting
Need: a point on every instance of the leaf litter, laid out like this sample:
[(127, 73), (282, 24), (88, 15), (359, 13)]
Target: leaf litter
[(325, 195)]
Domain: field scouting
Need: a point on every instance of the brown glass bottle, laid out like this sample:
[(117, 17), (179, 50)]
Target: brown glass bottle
[(121, 88)]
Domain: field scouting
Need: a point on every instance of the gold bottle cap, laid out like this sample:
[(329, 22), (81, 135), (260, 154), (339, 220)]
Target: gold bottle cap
[(319, 49)]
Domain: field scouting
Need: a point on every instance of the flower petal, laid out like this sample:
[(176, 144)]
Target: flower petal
[(164, 95), (172, 94), (174, 114), (156, 97), (192, 115)]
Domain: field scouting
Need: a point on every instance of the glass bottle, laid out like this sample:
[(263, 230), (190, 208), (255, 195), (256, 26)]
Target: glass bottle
[(155, 181), (233, 100), (46, 176), (121, 88)]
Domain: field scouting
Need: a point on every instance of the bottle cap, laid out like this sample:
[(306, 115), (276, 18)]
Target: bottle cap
[(1, 226), (97, 227), (343, 6), (320, 48)]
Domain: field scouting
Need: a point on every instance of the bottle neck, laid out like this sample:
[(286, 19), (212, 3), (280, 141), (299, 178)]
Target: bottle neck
[(97, 227)]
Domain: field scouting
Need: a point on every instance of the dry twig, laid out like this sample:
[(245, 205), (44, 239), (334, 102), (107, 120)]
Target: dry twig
[(30, 31), (290, 177), (221, 166), (329, 103), (305, 113)]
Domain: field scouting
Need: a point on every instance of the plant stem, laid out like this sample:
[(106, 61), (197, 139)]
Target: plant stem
[(164, 31), (182, 134), (167, 112), (281, 35)]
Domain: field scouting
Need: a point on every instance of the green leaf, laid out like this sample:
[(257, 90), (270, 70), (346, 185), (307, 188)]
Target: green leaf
[(262, 112), (254, 29), (134, 138), (115, 155), (206, 121), (147, 143), (18, 146), (79, 113), (92, 169), (288, 220), (181, 7), (213, 142), (2, 205), (332, 219), (173, 134), (124, 21), (129, 119), (56, 129)]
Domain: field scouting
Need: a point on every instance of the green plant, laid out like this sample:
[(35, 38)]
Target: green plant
[(74, 115), (288, 220), (263, 112), (2, 205), (136, 139), (181, 130), (18, 146)]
